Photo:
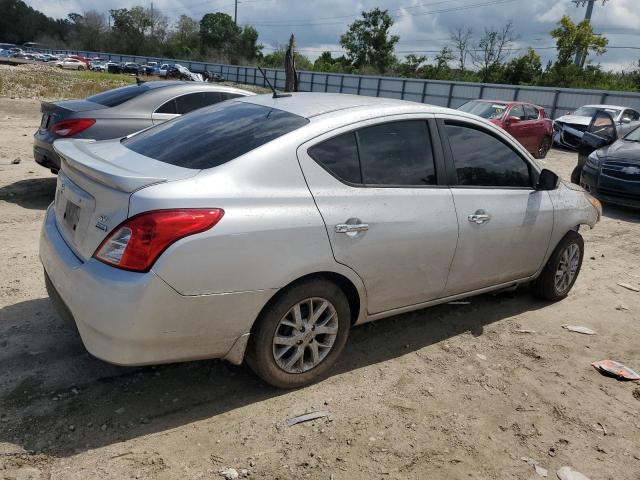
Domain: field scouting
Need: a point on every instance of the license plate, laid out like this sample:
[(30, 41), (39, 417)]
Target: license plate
[(71, 215)]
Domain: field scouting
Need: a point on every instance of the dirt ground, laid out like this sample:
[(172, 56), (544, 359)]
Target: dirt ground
[(452, 392)]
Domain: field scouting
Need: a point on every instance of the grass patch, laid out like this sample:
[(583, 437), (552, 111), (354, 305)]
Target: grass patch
[(46, 82)]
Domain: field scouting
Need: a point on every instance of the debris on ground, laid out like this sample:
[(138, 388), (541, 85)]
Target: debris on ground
[(459, 302), (579, 329), (543, 472), (524, 330), (229, 473), (622, 307), (307, 417), (567, 473), (615, 369), (629, 287), (636, 393)]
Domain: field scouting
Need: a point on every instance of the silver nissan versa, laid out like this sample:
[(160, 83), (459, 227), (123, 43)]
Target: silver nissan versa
[(263, 229)]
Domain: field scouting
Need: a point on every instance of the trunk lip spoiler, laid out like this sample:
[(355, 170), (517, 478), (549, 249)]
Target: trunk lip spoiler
[(102, 170)]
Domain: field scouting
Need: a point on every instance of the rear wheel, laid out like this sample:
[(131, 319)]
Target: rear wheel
[(543, 149), (562, 268), (300, 335), (80, 67)]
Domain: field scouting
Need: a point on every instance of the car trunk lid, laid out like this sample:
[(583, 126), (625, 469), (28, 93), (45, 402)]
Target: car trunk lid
[(55, 111), (94, 187)]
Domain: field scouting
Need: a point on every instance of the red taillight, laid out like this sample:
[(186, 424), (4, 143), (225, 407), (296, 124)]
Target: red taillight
[(138, 242), (69, 128)]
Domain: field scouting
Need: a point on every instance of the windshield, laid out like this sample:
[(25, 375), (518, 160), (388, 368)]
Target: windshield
[(590, 111), (484, 109), (633, 136), (213, 135)]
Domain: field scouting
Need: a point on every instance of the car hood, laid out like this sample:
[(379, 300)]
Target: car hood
[(622, 150), (579, 120)]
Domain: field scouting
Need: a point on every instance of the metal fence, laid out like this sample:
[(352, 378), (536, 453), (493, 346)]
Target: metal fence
[(556, 101)]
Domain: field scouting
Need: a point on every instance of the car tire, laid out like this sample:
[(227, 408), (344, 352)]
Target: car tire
[(298, 364), (80, 67), (543, 149), (562, 269)]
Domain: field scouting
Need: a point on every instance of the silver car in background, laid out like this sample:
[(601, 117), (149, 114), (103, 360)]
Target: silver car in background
[(568, 128), (263, 229), (120, 112)]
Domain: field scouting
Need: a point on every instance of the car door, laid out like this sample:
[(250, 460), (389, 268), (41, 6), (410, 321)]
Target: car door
[(505, 223), (518, 126), (379, 186)]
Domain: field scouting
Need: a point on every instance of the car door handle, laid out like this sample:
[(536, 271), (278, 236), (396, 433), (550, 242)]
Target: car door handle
[(351, 227), (479, 217)]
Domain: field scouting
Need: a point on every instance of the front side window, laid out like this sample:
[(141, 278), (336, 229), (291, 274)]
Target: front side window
[(391, 154), (482, 160), (214, 135), (517, 111), (531, 112)]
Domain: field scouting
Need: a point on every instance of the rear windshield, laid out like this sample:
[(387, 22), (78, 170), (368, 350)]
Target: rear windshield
[(484, 109), (213, 135), (117, 96)]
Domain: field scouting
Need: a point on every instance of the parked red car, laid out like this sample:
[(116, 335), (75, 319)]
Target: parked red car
[(524, 121), (79, 57)]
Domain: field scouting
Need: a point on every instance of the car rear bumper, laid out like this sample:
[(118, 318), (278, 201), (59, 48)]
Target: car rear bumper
[(610, 190), (129, 318), (43, 152)]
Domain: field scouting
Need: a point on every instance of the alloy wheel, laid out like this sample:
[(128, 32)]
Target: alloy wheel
[(305, 335), (567, 268)]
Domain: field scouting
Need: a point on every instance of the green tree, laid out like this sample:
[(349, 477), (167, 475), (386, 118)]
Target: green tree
[(492, 50), (218, 32), (246, 46), (368, 41), (525, 69), (276, 59), (411, 65), (571, 39), (184, 40), (129, 29)]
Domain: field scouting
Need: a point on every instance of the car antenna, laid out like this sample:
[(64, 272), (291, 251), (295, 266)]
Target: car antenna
[(275, 93), (140, 82)]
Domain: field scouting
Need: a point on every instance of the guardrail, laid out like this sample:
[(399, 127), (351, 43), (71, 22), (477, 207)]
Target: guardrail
[(556, 101)]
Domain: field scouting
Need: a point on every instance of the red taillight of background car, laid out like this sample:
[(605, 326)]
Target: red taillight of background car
[(69, 128), (138, 242)]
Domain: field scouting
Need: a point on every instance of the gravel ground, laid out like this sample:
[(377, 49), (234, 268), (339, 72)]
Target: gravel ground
[(455, 391)]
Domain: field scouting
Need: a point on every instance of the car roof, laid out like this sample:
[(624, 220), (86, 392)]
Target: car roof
[(618, 107), (311, 104), (506, 102)]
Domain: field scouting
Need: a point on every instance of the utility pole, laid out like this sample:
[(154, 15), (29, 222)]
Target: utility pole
[(152, 20), (235, 15), (582, 56)]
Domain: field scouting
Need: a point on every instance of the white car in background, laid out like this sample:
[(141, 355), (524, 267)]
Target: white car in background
[(565, 127), (71, 64)]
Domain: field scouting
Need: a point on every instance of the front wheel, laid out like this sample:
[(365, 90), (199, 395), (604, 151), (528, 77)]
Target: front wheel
[(562, 268), (300, 334), (543, 149)]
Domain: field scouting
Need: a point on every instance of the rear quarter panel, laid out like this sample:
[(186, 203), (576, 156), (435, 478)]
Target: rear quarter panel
[(271, 234)]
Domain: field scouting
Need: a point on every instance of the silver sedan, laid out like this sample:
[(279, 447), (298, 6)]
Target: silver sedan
[(262, 229)]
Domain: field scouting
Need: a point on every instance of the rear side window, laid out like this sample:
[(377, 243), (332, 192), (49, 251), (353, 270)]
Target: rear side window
[(193, 101), (214, 135), (394, 154), (397, 153), (483, 160), (117, 96), (339, 155)]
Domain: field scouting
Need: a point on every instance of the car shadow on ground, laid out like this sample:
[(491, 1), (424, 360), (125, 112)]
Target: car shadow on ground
[(33, 193), (58, 399), (617, 212)]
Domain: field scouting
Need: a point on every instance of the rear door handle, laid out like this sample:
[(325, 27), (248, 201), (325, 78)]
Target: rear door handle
[(351, 227), (479, 217)]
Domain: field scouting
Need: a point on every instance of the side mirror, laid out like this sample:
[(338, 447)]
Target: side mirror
[(626, 120), (512, 119), (547, 180)]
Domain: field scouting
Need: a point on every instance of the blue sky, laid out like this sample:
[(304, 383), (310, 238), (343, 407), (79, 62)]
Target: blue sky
[(423, 25)]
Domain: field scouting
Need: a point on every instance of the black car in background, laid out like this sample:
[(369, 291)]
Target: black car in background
[(129, 68), (609, 161)]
